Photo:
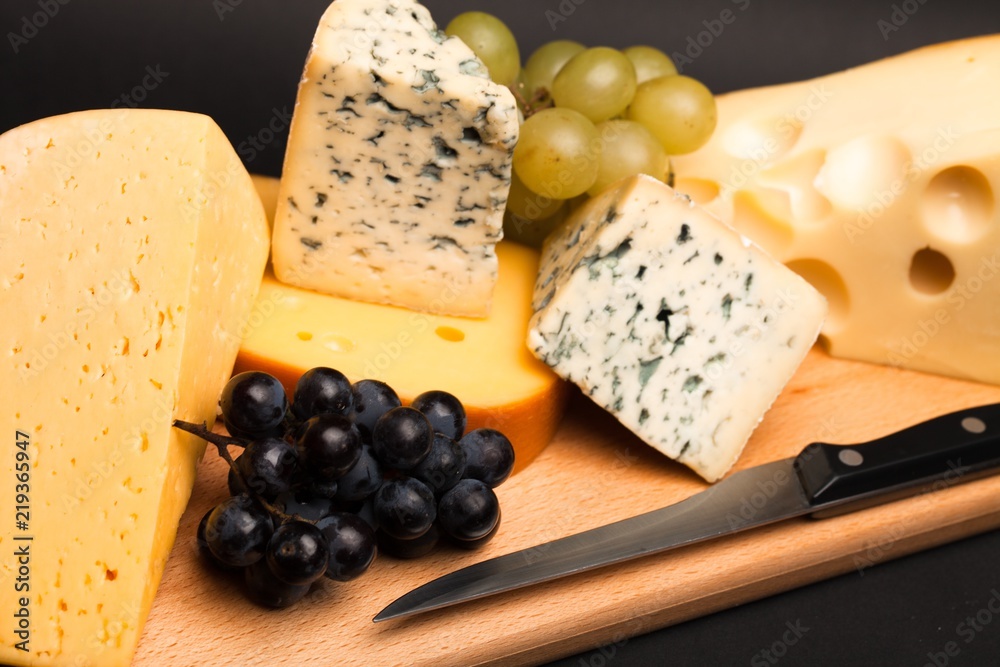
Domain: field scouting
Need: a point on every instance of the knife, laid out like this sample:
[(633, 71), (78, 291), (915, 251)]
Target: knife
[(824, 480)]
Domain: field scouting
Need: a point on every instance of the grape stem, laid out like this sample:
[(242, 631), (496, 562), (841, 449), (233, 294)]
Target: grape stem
[(217, 439), (222, 443), (539, 100)]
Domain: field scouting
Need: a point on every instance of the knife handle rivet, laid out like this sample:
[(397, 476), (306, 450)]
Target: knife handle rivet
[(851, 457), (974, 425)]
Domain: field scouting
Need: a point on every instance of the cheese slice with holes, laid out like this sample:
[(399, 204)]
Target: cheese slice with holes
[(879, 185), (671, 321), (398, 164), (132, 245)]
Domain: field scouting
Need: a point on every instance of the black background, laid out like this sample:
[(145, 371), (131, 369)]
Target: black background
[(239, 61)]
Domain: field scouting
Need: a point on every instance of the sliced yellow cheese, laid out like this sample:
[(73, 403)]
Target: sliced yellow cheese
[(267, 188), (878, 185), (485, 363), (132, 245)]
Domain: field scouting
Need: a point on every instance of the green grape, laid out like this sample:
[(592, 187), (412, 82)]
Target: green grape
[(531, 233), (529, 205), (678, 110), (628, 148), (649, 63), (522, 93), (546, 61), (558, 153), (492, 42), (599, 83)]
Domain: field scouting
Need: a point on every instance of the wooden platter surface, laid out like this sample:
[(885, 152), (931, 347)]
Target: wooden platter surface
[(593, 473)]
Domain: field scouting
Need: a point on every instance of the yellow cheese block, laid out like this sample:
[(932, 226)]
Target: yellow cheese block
[(878, 185), (484, 362), (267, 188), (132, 245)]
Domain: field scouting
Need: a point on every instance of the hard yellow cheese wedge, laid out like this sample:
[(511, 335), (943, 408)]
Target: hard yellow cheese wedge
[(878, 185), (484, 362), (132, 245)]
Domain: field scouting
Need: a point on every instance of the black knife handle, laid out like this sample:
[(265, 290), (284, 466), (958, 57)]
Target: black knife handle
[(938, 453)]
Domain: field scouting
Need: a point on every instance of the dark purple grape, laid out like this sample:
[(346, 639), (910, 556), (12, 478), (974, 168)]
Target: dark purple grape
[(444, 411), (479, 542), (233, 481), (351, 543), (402, 438), (367, 512), (469, 511), (322, 391), (362, 480), (254, 405), (268, 466), (202, 540), (412, 548), (267, 590), (297, 553), (443, 466), (329, 446), (317, 487), (489, 456), (309, 508), (405, 508), (200, 537), (237, 531), (372, 399)]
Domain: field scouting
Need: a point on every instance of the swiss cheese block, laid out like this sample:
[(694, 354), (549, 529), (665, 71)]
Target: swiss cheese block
[(483, 362), (398, 164), (878, 184), (671, 321), (132, 246)]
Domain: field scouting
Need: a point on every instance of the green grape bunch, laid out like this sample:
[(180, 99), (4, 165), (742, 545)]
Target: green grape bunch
[(592, 116)]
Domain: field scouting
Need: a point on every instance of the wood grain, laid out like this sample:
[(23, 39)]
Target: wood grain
[(593, 473)]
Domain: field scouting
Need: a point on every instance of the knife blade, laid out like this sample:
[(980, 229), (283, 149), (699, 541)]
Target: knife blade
[(824, 480)]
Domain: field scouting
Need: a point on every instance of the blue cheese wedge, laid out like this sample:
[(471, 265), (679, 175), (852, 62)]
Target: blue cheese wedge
[(671, 321), (398, 164)]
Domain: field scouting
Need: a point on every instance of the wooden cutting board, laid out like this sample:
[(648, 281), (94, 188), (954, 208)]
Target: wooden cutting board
[(593, 473)]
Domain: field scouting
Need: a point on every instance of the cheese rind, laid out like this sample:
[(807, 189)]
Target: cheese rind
[(878, 184), (133, 244), (398, 164), (671, 321)]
